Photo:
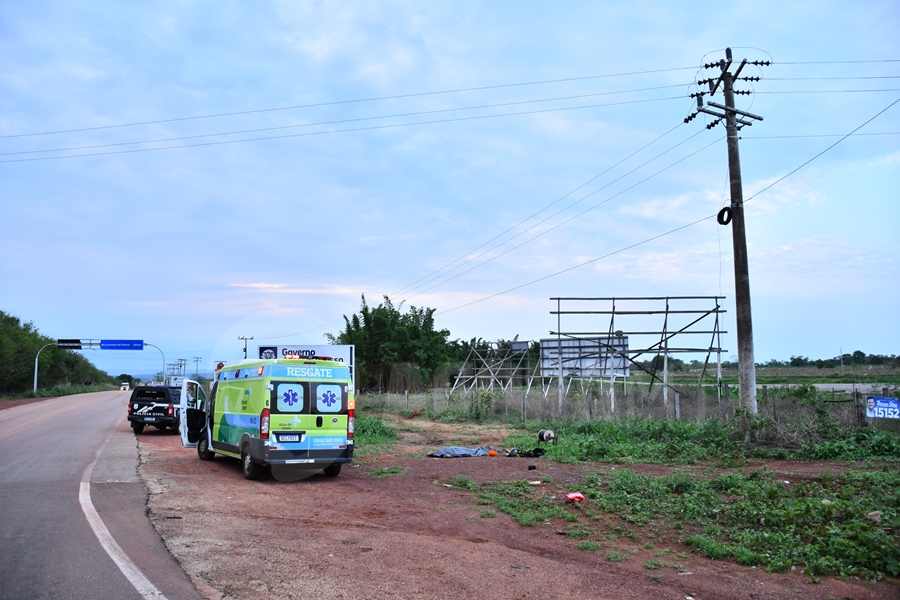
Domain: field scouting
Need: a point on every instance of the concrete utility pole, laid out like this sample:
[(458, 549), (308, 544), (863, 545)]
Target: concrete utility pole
[(246, 339), (735, 213), (197, 367)]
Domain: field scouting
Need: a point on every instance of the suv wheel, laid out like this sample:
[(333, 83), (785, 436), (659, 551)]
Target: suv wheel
[(138, 427)]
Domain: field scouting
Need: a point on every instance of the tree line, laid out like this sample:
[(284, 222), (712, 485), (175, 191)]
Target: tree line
[(19, 345)]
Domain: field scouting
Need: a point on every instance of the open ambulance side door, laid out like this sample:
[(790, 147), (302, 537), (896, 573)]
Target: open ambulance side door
[(192, 414)]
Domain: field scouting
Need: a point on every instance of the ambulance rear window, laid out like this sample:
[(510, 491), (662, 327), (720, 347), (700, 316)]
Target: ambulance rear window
[(330, 398), (289, 397)]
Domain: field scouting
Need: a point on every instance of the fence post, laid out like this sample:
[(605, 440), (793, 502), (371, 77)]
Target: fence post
[(434, 399), (861, 417), (677, 406), (407, 400)]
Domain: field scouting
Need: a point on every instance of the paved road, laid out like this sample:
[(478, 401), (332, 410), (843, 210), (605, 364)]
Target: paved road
[(49, 547)]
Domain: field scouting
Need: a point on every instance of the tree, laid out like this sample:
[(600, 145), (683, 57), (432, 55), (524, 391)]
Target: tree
[(384, 336), (19, 345)]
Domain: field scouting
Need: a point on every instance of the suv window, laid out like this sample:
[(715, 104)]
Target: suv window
[(150, 393)]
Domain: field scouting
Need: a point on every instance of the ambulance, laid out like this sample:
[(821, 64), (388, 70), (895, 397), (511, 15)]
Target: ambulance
[(273, 412)]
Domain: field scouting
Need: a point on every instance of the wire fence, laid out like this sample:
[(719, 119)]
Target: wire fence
[(786, 413)]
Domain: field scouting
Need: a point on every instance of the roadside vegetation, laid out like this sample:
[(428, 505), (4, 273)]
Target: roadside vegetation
[(843, 520), (60, 372), (842, 524)]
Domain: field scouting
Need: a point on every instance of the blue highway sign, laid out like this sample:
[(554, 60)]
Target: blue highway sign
[(121, 344)]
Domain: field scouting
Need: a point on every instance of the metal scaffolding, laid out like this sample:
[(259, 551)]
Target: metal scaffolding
[(585, 355), (495, 365)]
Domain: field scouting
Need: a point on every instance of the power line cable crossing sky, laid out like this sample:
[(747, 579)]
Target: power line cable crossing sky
[(258, 179)]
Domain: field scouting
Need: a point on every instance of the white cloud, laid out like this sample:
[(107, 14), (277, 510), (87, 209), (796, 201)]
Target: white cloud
[(793, 191), (889, 160), (283, 288)]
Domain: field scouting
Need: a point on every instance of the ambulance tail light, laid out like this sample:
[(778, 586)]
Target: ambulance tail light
[(264, 424), (171, 410), (351, 425)]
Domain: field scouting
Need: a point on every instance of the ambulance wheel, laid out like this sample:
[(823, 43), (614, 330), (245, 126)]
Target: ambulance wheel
[(251, 469), (138, 427), (333, 470), (203, 450)]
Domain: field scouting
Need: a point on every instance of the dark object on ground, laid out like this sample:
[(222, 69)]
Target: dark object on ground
[(458, 452)]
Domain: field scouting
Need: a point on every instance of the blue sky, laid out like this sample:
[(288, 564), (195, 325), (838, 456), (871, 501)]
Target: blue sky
[(409, 134)]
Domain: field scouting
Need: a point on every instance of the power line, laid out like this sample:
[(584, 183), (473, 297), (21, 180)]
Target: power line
[(837, 62), (563, 210), (339, 102), (573, 217), (819, 135), (523, 221), (629, 247), (830, 78), (878, 114), (671, 231), (578, 266), (826, 91), (342, 121), (356, 129)]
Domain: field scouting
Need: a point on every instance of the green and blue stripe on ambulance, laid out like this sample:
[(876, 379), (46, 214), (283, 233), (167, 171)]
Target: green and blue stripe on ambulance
[(308, 408)]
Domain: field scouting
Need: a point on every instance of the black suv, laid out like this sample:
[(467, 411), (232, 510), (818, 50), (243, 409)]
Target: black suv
[(154, 405)]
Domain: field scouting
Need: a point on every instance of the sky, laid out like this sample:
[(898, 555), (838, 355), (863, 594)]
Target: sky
[(189, 173)]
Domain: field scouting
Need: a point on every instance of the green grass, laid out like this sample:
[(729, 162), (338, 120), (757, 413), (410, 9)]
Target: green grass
[(671, 442), (382, 472), (372, 431), (752, 518)]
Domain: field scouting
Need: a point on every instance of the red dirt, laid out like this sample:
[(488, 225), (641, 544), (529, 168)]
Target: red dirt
[(411, 536)]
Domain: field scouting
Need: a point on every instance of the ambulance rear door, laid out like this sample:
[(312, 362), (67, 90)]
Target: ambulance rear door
[(192, 412)]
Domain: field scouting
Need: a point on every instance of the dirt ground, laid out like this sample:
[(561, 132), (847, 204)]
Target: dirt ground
[(410, 535)]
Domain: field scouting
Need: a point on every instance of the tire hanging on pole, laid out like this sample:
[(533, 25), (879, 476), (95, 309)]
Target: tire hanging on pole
[(724, 216)]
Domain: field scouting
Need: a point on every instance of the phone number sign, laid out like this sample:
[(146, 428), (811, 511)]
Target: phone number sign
[(879, 407)]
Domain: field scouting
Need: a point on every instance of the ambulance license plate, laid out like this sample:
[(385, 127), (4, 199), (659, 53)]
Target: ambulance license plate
[(289, 437)]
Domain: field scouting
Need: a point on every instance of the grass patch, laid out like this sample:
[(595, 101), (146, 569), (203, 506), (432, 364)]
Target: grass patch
[(463, 483), (371, 430), (752, 519), (589, 546), (382, 472)]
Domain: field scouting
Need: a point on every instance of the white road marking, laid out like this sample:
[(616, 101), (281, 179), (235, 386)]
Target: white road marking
[(130, 570)]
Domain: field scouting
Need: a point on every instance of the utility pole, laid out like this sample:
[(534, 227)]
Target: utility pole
[(734, 213), (246, 339), (197, 367)]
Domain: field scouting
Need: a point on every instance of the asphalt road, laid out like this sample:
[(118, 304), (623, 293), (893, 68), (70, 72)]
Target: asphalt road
[(48, 546)]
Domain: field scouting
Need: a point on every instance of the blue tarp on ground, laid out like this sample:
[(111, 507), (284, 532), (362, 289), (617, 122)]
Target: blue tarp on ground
[(458, 452)]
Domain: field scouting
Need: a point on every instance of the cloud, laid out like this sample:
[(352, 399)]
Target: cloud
[(889, 160), (790, 192), (670, 208), (282, 288), (820, 266)]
